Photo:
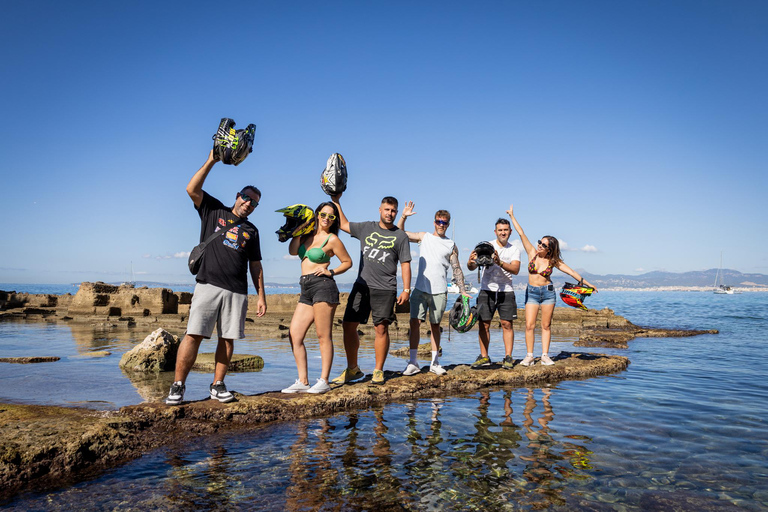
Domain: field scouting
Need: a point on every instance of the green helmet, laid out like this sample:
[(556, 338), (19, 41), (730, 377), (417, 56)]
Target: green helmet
[(462, 317), (300, 220)]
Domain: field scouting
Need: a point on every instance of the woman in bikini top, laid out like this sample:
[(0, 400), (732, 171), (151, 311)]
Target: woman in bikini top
[(319, 294), (540, 293)]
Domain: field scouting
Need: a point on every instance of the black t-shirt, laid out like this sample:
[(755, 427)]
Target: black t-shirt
[(226, 258)]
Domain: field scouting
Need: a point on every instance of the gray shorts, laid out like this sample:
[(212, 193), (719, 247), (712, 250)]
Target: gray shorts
[(213, 305), (422, 302), (488, 303)]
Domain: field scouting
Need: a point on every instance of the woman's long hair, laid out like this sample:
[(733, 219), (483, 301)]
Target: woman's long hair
[(335, 225), (553, 251)]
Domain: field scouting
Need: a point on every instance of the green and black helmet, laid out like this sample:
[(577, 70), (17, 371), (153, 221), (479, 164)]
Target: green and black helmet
[(462, 317), (232, 146)]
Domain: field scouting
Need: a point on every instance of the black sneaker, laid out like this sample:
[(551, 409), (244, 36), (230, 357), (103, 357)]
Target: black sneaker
[(508, 362), (481, 361), (176, 394), (220, 393)]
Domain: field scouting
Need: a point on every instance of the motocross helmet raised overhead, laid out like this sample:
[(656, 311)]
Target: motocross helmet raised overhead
[(333, 179), (300, 220), (462, 317), (232, 146), (574, 294)]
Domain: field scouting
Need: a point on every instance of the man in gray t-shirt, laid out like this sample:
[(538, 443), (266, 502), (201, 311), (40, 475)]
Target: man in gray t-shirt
[(382, 246)]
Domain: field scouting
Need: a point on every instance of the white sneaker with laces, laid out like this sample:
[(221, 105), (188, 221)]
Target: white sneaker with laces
[(321, 386), (546, 360), (296, 387), (437, 369), (411, 369), (528, 361)]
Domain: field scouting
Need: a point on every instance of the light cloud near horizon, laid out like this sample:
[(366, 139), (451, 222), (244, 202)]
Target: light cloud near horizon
[(177, 255), (586, 248)]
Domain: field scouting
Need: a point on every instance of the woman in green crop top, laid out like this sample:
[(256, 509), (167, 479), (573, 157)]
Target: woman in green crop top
[(319, 294), (540, 292)]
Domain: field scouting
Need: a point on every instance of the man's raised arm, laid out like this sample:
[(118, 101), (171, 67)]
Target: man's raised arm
[(343, 222), (407, 212), (195, 185)]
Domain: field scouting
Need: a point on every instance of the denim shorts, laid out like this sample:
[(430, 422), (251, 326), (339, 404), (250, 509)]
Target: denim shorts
[(540, 294), (316, 289)]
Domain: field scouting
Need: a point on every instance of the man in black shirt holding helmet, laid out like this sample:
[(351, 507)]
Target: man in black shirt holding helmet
[(221, 291)]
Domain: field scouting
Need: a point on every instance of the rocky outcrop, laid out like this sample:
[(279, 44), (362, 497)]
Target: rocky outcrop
[(121, 301), (50, 446), (149, 308), (156, 353)]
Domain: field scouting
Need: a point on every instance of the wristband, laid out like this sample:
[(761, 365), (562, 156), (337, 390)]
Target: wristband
[(333, 273)]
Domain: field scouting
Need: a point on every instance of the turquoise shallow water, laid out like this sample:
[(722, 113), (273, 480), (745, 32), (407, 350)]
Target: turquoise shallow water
[(684, 428)]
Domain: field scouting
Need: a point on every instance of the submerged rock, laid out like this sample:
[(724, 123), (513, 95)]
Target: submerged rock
[(27, 360), (238, 363), (156, 353)]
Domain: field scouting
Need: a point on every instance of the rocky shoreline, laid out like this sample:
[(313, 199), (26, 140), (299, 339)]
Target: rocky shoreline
[(47, 446)]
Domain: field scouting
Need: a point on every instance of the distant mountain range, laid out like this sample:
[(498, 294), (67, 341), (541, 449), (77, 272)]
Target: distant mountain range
[(654, 279), (700, 278)]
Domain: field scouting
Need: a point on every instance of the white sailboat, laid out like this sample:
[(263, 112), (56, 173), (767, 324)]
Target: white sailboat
[(720, 288)]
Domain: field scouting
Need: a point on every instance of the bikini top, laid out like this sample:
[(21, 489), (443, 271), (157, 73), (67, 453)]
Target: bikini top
[(544, 273), (316, 254)]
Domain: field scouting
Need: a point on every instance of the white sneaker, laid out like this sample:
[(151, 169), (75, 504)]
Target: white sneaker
[(296, 387), (528, 361), (546, 361), (321, 386), (411, 369), (437, 369)]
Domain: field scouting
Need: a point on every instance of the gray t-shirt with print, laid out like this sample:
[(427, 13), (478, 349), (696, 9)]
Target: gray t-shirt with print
[(380, 251)]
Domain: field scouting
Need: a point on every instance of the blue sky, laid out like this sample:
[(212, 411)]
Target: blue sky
[(635, 132)]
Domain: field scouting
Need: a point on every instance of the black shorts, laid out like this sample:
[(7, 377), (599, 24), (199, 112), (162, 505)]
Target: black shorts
[(363, 301), (489, 303), (316, 289)]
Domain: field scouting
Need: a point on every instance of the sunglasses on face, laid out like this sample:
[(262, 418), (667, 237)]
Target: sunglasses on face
[(328, 216), (441, 222), (248, 199), (543, 244)]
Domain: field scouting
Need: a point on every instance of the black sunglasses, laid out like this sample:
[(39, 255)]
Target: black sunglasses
[(441, 222), (543, 245), (248, 199)]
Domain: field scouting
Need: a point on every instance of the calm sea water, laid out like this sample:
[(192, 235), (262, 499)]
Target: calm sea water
[(684, 428)]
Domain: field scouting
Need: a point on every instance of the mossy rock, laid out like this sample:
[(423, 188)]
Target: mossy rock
[(239, 363)]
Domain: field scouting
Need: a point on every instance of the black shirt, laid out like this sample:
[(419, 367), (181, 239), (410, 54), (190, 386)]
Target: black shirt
[(225, 263)]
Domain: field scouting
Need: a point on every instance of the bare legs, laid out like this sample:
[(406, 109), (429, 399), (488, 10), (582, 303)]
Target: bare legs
[(508, 334), (187, 354), (531, 312), (380, 344), (321, 314)]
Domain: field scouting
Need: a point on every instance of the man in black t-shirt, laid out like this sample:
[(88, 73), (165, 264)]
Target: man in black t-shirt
[(221, 292)]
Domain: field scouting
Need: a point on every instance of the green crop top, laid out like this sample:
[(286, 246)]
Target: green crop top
[(316, 255)]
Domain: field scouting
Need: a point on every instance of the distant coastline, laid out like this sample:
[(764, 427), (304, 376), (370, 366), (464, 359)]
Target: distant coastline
[(277, 288)]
